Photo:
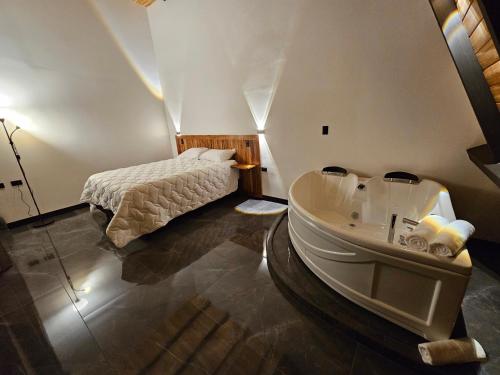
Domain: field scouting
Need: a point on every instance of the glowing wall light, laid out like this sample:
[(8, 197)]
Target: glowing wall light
[(260, 88), (256, 42), (174, 94), (174, 108)]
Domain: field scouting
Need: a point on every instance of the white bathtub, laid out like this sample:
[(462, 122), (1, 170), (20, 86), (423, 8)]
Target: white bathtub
[(342, 231)]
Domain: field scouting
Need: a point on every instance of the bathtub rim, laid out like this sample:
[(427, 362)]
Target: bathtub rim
[(461, 263)]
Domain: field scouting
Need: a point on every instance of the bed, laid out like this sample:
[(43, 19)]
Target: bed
[(146, 197)]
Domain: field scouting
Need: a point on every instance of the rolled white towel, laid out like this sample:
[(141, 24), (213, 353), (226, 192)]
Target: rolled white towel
[(425, 231), (451, 238), (446, 352)]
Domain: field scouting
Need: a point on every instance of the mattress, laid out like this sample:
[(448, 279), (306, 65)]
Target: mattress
[(146, 197)]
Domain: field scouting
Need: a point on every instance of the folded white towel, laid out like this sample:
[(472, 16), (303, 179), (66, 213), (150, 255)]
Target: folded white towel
[(425, 231), (445, 352), (451, 238)]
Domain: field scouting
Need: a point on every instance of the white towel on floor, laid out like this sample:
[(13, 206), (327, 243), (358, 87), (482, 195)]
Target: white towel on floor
[(451, 239), (424, 232), (446, 352)]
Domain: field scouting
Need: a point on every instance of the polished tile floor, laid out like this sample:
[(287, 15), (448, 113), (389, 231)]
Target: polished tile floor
[(194, 297)]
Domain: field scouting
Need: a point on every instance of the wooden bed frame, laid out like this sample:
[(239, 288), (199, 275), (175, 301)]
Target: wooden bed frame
[(247, 155)]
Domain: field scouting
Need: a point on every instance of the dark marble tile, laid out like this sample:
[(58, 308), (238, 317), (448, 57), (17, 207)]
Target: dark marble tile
[(13, 291), (128, 297), (18, 289), (370, 362), (72, 232), (49, 336), (481, 310), (72, 341)]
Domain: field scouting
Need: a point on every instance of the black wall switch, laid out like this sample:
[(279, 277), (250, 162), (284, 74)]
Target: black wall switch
[(324, 130), (264, 169), (2, 185), (16, 183)]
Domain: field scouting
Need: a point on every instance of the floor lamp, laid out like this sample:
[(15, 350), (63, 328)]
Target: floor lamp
[(41, 221)]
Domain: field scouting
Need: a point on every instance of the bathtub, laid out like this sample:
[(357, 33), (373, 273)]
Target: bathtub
[(350, 231)]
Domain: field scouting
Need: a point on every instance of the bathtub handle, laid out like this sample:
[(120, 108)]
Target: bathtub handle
[(334, 170), (403, 177)]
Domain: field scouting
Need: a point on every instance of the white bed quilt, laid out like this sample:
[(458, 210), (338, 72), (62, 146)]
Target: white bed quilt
[(146, 197)]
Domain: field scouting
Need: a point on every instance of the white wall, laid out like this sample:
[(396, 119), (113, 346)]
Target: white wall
[(378, 72), (80, 78)]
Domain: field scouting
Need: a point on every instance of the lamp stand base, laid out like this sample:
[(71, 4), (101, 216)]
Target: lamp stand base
[(43, 223)]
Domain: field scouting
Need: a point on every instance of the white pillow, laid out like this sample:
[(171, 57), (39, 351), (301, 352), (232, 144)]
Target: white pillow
[(192, 153), (217, 155)]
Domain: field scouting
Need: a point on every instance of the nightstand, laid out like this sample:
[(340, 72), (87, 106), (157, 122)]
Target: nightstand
[(250, 179)]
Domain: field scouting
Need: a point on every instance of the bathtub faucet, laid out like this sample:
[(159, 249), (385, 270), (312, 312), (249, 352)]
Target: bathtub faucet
[(390, 237)]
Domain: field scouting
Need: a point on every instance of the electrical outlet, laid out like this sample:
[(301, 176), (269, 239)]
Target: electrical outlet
[(2, 185), (324, 130), (263, 169), (16, 183)]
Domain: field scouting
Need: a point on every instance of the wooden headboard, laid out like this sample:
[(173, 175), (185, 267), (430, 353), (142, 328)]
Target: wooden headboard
[(247, 153), (246, 146)]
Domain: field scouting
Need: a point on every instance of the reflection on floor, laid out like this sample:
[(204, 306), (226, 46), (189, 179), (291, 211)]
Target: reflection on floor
[(206, 339), (194, 297)]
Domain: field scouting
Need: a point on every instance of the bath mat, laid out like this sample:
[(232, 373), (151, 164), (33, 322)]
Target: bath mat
[(260, 207)]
